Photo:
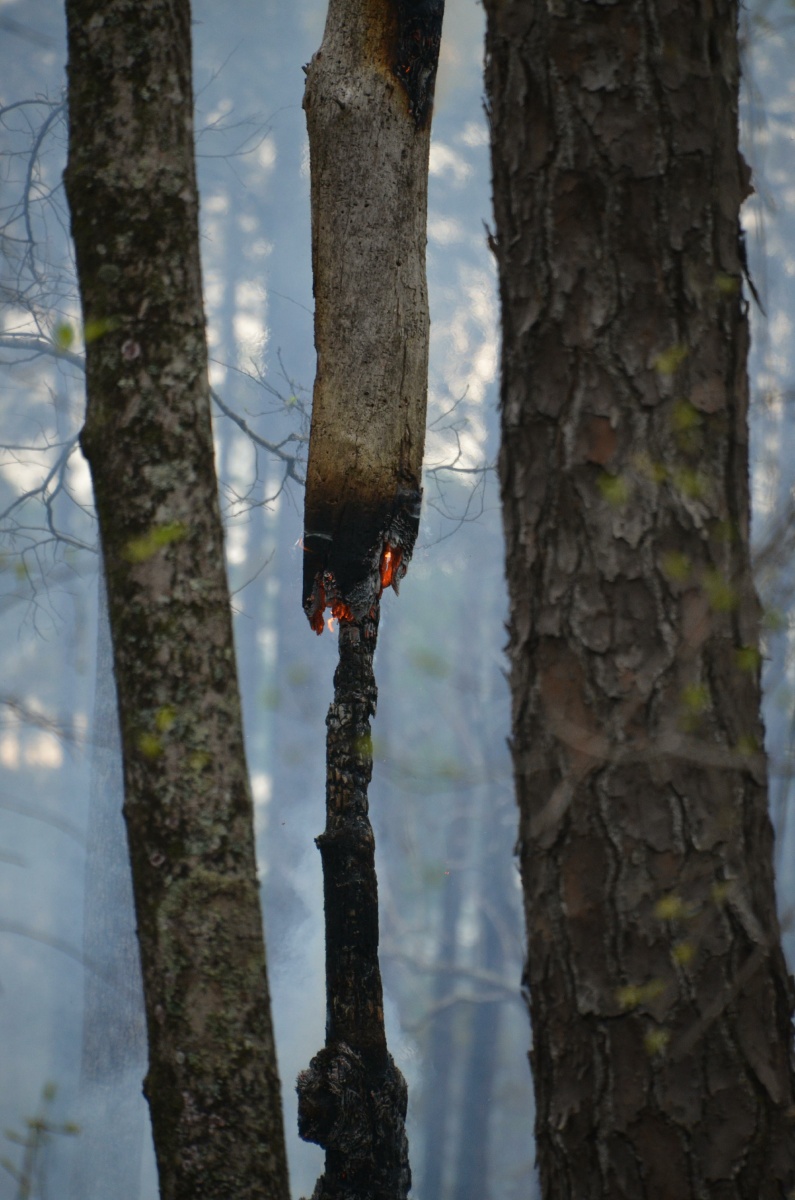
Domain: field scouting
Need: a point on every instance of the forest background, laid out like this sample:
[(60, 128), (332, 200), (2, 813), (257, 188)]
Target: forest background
[(441, 798)]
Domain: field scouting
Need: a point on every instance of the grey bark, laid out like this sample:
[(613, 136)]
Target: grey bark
[(660, 1001), (212, 1082)]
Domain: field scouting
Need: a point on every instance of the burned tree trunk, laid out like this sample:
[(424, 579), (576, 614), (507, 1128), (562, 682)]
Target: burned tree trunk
[(352, 1099), (368, 101), (660, 1001), (212, 1082)]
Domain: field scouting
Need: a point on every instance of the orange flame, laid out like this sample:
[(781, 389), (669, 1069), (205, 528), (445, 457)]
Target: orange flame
[(331, 624), (341, 611), (390, 561)]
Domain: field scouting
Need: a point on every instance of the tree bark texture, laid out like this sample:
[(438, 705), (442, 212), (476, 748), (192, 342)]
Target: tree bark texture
[(352, 1098), (368, 101), (660, 1001), (212, 1082)]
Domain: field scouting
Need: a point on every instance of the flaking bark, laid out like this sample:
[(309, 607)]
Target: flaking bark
[(660, 1001), (368, 99), (212, 1082)]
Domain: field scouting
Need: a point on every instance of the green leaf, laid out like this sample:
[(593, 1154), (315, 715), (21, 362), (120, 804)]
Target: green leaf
[(676, 566), (150, 745), (429, 663), (722, 596), (165, 718), (669, 361), (142, 548), (63, 335), (98, 328), (614, 489)]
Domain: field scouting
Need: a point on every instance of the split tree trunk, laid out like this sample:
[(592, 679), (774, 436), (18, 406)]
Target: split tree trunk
[(368, 102), (660, 1001), (212, 1083)]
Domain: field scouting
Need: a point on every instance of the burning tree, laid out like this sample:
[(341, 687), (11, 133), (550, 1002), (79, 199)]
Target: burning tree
[(368, 101), (660, 1000)]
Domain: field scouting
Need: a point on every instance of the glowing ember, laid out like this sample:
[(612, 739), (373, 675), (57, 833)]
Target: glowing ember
[(390, 572), (390, 561)]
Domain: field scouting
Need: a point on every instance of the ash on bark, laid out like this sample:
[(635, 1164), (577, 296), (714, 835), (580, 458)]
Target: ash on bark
[(352, 1098)]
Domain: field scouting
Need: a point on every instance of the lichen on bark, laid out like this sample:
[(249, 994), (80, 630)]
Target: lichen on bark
[(212, 1083)]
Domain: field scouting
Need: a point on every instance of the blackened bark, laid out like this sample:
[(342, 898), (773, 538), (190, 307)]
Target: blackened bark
[(660, 1001), (368, 98), (212, 1083), (352, 1099)]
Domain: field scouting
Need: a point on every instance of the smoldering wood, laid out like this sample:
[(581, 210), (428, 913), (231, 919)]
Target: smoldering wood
[(352, 1098), (212, 1082), (368, 100), (368, 103)]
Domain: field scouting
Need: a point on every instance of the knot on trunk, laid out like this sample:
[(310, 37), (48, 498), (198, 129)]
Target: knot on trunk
[(354, 1106)]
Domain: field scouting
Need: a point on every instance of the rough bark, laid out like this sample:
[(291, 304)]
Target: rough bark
[(368, 103), (212, 1082), (352, 1098), (660, 1001)]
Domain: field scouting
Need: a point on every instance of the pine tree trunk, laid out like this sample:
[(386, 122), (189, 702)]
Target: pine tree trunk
[(212, 1083), (660, 1001)]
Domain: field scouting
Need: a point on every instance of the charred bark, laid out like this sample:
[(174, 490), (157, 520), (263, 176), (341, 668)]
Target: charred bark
[(352, 1098), (660, 1001), (368, 99), (212, 1082)]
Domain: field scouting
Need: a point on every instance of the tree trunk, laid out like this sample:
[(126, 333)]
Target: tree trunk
[(660, 1001), (368, 102), (352, 1099), (212, 1083)]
